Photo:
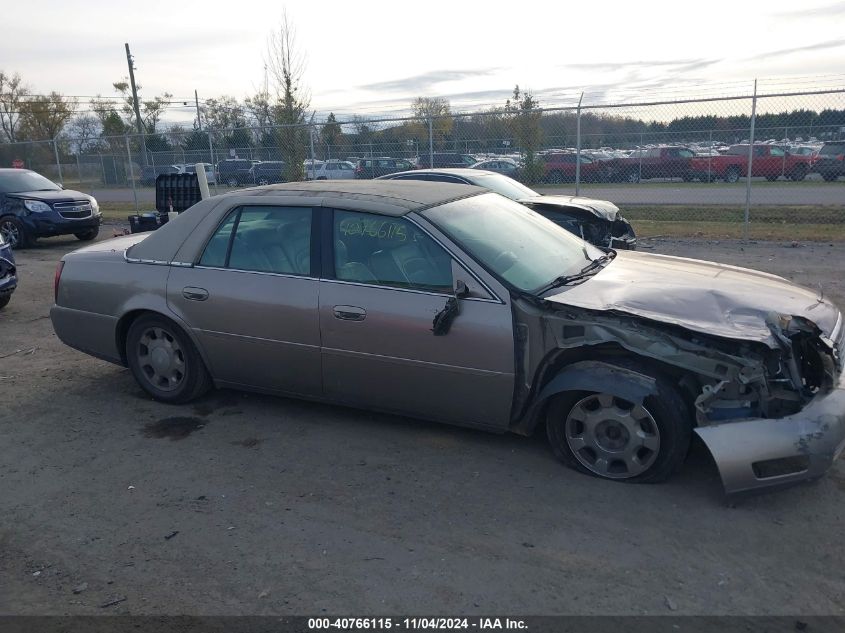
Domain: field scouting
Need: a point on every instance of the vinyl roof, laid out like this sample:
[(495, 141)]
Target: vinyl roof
[(401, 195)]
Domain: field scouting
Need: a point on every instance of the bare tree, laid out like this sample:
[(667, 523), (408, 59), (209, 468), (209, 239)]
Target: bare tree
[(12, 93), (286, 64), (84, 131)]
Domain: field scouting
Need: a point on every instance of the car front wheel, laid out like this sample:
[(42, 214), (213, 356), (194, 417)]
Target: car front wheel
[(608, 436), (14, 232), (164, 361)]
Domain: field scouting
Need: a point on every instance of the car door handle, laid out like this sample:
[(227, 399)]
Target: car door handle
[(350, 313), (195, 294)]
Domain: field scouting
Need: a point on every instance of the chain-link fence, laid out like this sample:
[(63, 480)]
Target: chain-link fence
[(772, 162)]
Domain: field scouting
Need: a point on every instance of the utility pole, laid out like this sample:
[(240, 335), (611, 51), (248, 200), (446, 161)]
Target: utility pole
[(138, 122), (197, 101)]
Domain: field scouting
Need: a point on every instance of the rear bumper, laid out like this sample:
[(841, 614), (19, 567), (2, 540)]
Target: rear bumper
[(765, 454), (94, 334)]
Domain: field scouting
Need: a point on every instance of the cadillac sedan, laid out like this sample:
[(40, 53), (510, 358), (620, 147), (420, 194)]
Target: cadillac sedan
[(455, 304)]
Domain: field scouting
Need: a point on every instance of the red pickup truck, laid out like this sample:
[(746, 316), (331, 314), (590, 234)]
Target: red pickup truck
[(671, 161), (770, 161)]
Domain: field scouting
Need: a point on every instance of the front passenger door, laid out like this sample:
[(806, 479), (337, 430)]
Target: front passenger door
[(383, 284)]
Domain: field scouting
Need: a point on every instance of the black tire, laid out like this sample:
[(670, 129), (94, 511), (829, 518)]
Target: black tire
[(687, 177), (830, 177), (232, 183), (799, 173), (15, 232), (632, 177), (772, 178), (188, 374), (4, 299), (668, 413), (555, 177), (732, 175), (87, 236)]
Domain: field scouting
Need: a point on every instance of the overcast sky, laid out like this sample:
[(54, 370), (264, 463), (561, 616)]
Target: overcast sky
[(373, 56)]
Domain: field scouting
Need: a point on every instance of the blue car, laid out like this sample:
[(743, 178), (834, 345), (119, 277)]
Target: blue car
[(32, 206), (8, 273)]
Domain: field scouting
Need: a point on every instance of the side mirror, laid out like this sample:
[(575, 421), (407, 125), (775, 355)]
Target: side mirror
[(461, 289)]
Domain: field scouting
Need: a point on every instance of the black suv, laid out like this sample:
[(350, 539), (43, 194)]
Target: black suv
[(831, 160), (368, 168), (233, 172), (446, 159), (268, 172), (32, 206)]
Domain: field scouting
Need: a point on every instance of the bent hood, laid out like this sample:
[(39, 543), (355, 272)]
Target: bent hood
[(706, 297), (600, 208)]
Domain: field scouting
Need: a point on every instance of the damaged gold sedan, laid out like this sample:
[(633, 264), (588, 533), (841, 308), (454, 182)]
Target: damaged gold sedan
[(450, 303)]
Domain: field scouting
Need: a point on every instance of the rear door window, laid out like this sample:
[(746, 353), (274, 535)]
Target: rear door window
[(263, 239)]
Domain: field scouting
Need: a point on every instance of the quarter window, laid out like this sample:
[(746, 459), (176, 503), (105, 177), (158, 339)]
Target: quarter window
[(266, 239), (388, 251)]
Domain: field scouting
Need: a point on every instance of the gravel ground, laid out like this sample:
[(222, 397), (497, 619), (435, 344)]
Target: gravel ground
[(242, 504)]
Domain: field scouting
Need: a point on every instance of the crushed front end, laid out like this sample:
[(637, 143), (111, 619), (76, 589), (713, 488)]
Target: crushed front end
[(787, 429)]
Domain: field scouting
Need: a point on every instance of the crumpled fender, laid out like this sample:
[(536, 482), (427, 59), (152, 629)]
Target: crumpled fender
[(589, 375)]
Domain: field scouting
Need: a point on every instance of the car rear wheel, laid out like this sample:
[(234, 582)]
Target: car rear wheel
[(14, 232), (164, 361), (87, 236), (772, 178), (607, 436), (4, 299), (555, 177), (799, 173), (732, 175), (263, 181), (632, 176), (830, 177), (231, 182)]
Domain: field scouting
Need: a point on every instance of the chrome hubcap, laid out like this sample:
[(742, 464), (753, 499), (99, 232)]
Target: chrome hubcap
[(10, 233), (161, 359), (612, 437)]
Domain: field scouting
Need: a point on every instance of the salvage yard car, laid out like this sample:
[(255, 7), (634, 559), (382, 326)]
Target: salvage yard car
[(32, 206), (598, 221), (456, 304)]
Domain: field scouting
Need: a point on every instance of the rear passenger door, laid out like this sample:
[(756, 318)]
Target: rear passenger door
[(251, 300)]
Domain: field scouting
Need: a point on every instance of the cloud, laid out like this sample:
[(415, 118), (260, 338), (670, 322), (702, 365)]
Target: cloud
[(637, 64), (825, 11), (799, 49), (425, 81)]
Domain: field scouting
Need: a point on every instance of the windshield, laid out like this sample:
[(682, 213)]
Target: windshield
[(512, 241), (508, 187), (15, 181)]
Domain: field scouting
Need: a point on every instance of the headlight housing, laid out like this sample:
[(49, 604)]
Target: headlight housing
[(95, 207), (36, 206)]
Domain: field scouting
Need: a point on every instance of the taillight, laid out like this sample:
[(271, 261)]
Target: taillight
[(56, 279)]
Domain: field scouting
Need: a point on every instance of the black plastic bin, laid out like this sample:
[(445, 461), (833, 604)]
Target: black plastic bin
[(143, 223), (179, 191)]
